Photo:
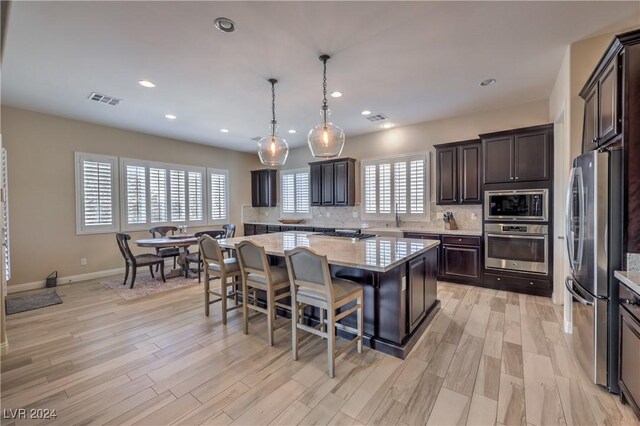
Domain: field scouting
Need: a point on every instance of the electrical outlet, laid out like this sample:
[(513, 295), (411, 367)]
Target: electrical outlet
[(474, 216), (83, 261)]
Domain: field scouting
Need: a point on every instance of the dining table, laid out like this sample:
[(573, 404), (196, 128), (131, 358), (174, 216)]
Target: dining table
[(182, 241)]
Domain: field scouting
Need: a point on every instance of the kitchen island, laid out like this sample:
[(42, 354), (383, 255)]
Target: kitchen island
[(398, 276)]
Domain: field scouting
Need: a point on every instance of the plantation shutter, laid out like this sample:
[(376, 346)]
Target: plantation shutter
[(158, 195), (196, 205), (288, 193), (417, 186), (384, 187), (302, 192), (96, 193), (5, 218), (400, 186), (218, 194), (178, 195), (136, 194), (370, 189)]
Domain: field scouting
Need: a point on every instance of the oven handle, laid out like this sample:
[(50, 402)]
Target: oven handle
[(574, 293), (521, 237)]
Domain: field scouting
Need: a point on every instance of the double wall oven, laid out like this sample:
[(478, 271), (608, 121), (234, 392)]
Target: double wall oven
[(516, 230)]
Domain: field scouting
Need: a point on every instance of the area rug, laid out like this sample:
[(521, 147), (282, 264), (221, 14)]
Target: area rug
[(146, 286), (15, 305)]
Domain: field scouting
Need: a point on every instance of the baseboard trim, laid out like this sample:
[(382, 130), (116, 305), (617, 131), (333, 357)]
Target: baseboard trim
[(16, 288)]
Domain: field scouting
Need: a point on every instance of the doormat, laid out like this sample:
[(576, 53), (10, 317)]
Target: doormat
[(15, 305)]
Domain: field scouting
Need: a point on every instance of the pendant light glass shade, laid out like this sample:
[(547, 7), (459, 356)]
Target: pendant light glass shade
[(272, 149), (326, 140)]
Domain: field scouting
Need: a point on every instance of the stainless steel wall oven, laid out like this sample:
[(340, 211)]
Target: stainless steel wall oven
[(517, 247)]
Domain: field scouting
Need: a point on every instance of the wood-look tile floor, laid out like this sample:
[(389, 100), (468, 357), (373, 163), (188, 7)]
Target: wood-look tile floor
[(489, 357)]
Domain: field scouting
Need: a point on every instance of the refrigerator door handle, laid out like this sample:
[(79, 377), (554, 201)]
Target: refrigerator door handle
[(570, 289), (569, 219), (582, 217)]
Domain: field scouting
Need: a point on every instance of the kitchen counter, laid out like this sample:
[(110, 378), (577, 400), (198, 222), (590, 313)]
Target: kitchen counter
[(379, 254), (630, 279), (398, 278), (474, 232)]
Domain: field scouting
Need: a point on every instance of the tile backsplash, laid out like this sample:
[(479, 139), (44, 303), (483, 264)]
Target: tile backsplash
[(633, 262), (467, 217)]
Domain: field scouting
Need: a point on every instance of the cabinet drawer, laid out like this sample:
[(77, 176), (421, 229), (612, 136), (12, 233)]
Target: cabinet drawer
[(303, 229), (249, 229), (421, 236), (261, 229), (630, 300), (516, 283), (459, 240), (273, 228), (286, 228)]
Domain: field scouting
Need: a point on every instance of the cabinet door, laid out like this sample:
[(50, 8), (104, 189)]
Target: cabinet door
[(590, 124), (608, 103), (264, 188), (447, 175), (416, 291), (249, 230), (255, 189), (315, 178), (498, 159), (328, 185), (469, 171), (629, 350), (461, 262), (341, 184), (531, 159)]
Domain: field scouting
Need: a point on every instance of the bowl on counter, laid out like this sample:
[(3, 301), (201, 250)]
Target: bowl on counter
[(290, 221)]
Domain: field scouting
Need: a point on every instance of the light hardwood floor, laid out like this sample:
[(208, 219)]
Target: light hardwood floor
[(488, 357)]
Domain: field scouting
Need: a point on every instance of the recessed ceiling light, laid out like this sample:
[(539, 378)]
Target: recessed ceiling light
[(488, 82), (292, 130), (225, 25), (224, 130), (387, 126), (146, 83), (336, 94), (366, 112), (170, 116)]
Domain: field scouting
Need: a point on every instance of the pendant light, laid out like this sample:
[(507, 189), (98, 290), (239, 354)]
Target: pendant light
[(326, 140), (273, 150)]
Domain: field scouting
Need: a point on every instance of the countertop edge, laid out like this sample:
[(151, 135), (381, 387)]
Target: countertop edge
[(470, 232), (630, 279)]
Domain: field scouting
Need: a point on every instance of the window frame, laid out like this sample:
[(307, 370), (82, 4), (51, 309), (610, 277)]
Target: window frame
[(208, 199), (295, 214), (426, 191), (125, 226), (81, 228)]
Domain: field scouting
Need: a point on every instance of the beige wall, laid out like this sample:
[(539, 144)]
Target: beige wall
[(423, 136), (42, 190)]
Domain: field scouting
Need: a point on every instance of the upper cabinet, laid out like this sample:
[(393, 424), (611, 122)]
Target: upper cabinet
[(333, 182), (519, 155), (602, 117), (263, 188), (459, 173)]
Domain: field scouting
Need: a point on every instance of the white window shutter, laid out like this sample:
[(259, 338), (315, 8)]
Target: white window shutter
[(218, 195), (196, 194), (417, 186), (5, 218), (302, 192), (158, 195), (96, 193), (288, 193), (400, 186), (178, 195), (384, 188), (370, 189), (136, 194)]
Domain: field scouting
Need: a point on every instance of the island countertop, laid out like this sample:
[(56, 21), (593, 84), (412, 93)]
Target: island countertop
[(379, 254)]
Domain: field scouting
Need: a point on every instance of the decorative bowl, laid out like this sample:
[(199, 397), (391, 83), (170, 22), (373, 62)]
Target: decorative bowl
[(290, 221)]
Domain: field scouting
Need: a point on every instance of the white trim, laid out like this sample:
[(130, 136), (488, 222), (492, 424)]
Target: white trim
[(65, 280), (80, 228)]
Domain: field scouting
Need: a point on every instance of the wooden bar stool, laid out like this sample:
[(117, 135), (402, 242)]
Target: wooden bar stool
[(217, 266), (257, 274), (311, 284)]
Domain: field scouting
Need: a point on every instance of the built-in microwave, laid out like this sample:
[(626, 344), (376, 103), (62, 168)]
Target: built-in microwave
[(518, 204)]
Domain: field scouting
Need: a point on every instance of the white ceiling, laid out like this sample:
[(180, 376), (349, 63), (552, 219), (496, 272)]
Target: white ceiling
[(413, 61)]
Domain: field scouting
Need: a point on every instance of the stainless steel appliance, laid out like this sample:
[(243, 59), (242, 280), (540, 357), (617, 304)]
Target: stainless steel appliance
[(594, 244), (520, 204), (517, 247)]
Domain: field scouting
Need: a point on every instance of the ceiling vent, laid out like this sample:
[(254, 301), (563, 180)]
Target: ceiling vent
[(109, 100), (376, 117)]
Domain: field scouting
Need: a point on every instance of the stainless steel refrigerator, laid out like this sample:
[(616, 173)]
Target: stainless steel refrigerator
[(594, 214)]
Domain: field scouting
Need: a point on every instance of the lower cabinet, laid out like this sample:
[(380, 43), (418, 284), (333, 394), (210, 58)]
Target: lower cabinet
[(421, 287), (461, 262), (249, 229), (629, 350)]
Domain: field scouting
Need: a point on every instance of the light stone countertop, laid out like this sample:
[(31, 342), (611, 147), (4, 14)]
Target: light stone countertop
[(379, 254), (630, 279), (373, 230)]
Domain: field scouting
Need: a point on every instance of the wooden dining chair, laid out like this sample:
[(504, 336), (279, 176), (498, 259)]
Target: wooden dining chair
[(218, 267), (135, 262), (257, 274), (196, 257), (229, 229), (312, 285), (165, 252)]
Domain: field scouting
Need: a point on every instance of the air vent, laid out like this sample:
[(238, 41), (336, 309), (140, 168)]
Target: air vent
[(376, 117), (257, 138), (109, 100)]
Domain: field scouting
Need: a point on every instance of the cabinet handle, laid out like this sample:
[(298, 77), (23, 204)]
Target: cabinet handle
[(530, 282), (516, 177), (459, 240), (499, 279)]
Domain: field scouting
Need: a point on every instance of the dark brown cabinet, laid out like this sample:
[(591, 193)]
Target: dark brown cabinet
[(333, 182), (459, 173), (602, 107), (264, 188), (629, 348), (421, 288), (519, 155), (460, 258)]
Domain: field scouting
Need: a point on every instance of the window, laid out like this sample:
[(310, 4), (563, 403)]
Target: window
[(96, 193), (218, 195), (295, 192), (395, 185), (5, 218)]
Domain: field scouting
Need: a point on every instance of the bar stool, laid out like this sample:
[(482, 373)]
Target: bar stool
[(216, 266), (257, 274), (311, 284)]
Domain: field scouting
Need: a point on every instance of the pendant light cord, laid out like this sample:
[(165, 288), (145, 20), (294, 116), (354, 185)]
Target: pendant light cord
[(325, 107), (273, 82)]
